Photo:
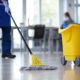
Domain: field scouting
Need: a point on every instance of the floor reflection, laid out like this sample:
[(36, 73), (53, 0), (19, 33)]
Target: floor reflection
[(9, 68), (72, 74)]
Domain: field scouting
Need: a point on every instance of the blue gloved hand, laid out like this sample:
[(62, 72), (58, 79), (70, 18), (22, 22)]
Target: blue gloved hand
[(7, 9)]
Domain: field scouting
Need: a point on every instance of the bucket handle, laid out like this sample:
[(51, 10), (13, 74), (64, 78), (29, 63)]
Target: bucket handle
[(67, 35)]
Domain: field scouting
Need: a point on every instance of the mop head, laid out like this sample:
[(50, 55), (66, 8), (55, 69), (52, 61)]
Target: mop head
[(37, 65), (30, 68)]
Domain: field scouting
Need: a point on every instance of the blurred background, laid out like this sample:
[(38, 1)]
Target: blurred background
[(42, 12)]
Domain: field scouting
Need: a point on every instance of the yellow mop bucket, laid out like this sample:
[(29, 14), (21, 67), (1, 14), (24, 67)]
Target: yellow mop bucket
[(71, 44)]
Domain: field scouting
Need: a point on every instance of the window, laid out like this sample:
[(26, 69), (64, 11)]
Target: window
[(49, 12), (32, 16), (32, 12), (42, 11), (77, 11), (35, 12), (78, 1), (16, 10)]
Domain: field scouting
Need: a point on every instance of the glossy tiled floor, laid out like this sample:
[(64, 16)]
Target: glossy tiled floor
[(9, 68)]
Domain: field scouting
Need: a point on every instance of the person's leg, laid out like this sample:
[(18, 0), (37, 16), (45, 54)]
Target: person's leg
[(6, 43)]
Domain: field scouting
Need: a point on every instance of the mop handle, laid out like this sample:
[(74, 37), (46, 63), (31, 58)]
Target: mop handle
[(20, 33)]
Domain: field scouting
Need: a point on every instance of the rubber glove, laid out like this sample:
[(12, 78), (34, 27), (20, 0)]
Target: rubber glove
[(7, 9)]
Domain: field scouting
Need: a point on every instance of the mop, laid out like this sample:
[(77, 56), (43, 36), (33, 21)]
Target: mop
[(35, 64)]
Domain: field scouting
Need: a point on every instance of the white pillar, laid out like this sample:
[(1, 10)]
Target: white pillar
[(61, 11), (24, 11), (69, 7)]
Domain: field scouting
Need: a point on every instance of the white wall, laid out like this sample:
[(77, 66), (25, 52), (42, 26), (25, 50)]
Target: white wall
[(69, 6), (66, 6)]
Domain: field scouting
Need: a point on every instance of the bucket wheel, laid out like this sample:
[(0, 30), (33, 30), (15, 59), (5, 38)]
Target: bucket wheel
[(77, 61), (63, 61)]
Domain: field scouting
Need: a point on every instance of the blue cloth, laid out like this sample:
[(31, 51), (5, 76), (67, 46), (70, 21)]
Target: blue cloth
[(0, 1), (63, 26), (4, 17)]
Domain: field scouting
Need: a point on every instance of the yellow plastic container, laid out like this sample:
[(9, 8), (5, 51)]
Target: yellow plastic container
[(71, 41)]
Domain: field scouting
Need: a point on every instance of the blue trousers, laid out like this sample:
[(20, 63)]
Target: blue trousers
[(6, 40)]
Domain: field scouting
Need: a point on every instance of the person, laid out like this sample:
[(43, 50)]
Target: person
[(67, 20), (5, 25)]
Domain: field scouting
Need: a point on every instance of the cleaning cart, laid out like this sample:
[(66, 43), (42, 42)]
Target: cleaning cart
[(71, 44)]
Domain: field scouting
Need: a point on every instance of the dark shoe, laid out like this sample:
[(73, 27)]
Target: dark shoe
[(8, 56)]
